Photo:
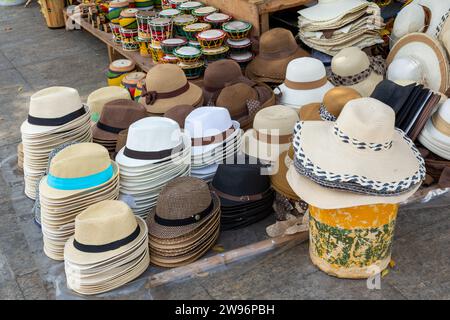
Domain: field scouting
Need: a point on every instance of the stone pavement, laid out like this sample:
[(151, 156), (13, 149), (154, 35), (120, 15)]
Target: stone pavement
[(33, 57)]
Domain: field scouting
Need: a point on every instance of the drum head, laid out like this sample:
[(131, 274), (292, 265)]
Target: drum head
[(214, 51), (169, 12), (236, 25), (205, 10), (242, 57), (190, 5), (184, 19), (217, 17), (239, 43), (160, 22), (129, 13), (211, 34), (173, 42), (197, 27), (187, 51)]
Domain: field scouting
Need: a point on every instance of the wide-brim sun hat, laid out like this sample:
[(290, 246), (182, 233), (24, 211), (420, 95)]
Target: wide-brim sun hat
[(330, 9)]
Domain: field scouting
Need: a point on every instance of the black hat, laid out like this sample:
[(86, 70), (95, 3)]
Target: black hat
[(392, 94)]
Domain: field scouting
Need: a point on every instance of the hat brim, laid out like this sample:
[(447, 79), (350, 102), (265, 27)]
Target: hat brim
[(278, 180), (298, 98), (261, 150), (331, 10), (102, 135), (199, 150), (366, 87)]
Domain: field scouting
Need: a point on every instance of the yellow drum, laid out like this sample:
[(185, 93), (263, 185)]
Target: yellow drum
[(352, 242), (117, 70), (156, 52), (144, 49)]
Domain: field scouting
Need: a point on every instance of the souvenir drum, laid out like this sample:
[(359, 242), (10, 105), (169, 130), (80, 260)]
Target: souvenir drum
[(117, 70), (187, 54), (115, 30), (212, 38), (242, 58), (195, 44), (165, 4), (237, 30), (169, 59), (202, 12), (160, 29), (142, 19), (215, 54), (192, 70), (239, 46), (138, 91), (156, 52), (130, 41), (188, 7), (157, 4), (130, 81), (169, 13), (128, 18), (169, 45), (217, 19), (176, 3), (191, 30), (181, 21), (144, 4), (115, 8), (144, 49)]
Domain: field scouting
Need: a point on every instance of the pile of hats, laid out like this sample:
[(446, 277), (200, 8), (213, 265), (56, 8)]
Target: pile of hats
[(97, 99), (359, 159), (56, 116), (331, 25), (412, 104), (214, 138), (185, 223), (109, 248), (245, 194), (435, 135), (156, 152), (116, 116), (79, 176)]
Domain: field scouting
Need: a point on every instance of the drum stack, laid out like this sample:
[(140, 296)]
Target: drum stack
[(114, 10), (128, 29)]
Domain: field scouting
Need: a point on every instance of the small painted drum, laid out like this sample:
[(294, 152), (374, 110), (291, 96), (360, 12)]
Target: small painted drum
[(115, 30), (215, 54), (130, 41), (187, 54), (160, 28), (143, 18), (176, 3), (237, 30), (165, 4), (157, 4), (202, 12), (117, 70), (169, 59), (217, 19), (144, 4), (193, 29), (213, 38), (169, 45), (144, 49), (156, 52), (193, 70), (188, 7), (138, 91), (195, 44), (131, 4), (181, 21), (115, 8), (131, 80), (242, 58), (239, 46), (169, 13), (128, 18)]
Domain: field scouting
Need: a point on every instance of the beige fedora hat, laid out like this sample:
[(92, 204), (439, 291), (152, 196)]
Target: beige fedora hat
[(166, 86), (271, 134), (98, 98), (351, 67)]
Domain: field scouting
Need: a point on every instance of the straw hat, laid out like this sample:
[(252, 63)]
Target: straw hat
[(331, 9), (278, 180), (306, 82), (179, 113), (166, 86), (364, 154), (271, 133), (98, 98), (333, 103), (423, 60), (277, 47), (352, 67)]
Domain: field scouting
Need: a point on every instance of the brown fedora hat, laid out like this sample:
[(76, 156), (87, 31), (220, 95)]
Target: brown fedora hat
[(277, 47), (179, 113), (117, 115), (278, 180), (333, 102)]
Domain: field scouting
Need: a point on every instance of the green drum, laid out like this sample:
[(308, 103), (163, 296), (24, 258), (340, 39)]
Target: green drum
[(193, 70), (179, 22), (169, 45), (215, 54), (187, 54), (188, 7), (191, 30)]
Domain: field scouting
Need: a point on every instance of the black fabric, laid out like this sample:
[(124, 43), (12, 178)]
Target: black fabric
[(415, 109), (406, 109), (392, 94), (107, 128), (244, 223), (53, 122), (109, 246), (186, 221)]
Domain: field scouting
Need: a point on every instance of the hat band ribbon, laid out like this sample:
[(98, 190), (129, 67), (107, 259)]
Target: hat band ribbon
[(109, 246), (152, 155), (440, 124), (243, 198), (377, 65), (53, 122), (152, 96), (273, 139), (186, 221), (80, 182), (279, 54), (305, 85), (325, 115), (107, 128), (204, 141), (360, 144)]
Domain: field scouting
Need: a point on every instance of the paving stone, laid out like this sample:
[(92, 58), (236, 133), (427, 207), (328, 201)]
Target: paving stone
[(15, 248), (10, 290), (32, 286), (4, 63)]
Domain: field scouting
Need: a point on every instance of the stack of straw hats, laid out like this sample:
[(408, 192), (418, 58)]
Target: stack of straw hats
[(109, 248), (56, 116), (214, 138), (185, 223), (156, 152), (79, 176), (332, 25)]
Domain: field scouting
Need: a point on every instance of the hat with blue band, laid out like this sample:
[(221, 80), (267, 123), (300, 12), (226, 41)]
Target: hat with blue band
[(85, 182)]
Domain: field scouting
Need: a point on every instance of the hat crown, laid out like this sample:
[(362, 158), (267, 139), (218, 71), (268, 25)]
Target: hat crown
[(104, 222), (54, 102), (350, 61), (276, 120), (218, 73), (367, 120), (153, 134), (122, 113), (240, 179), (277, 40), (164, 78), (97, 99), (208, 121), (410, 19), (305, 69), (80, 160), (183, 197), (235, 97), (405, 68), (336, 98)]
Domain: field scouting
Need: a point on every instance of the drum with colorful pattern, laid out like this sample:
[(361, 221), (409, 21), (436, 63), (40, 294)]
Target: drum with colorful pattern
[(127, 18), (176, 3), (142, 19), (202, 12), (144, 4), (117, 70), (160, 29), (130, 41), (169, 13), (215, 54), (188, 7), (156, 52), (115, 8), (237, 30), (217, 19), (138, 91), (212, 38), (165, 4), (144, 49), (239, 46), (193, 70), (179, 22), (187, 54), (195, 44), (130, 81), (168, 58), (193, 29), (115, 30), (169, 45)]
